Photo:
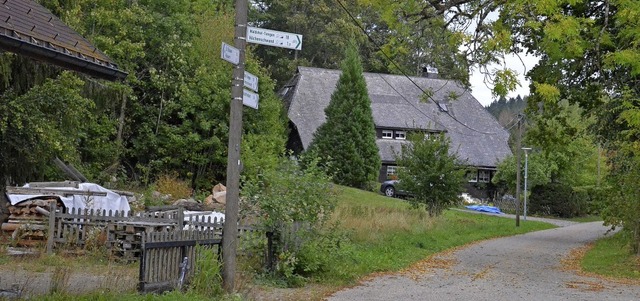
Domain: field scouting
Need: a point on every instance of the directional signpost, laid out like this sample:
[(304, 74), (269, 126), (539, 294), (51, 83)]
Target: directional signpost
[(250, 99), (251, 81), (274, 38), (230, 54), (235, 55)]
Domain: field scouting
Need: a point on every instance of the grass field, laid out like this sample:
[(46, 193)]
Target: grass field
[(381, 234), (387, 234)]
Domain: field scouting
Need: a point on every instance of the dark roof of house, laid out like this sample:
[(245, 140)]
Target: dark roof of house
[(397, 103), (29, 29)]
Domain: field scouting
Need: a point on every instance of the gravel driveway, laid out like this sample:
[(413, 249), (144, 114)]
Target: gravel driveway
[(522, 267)]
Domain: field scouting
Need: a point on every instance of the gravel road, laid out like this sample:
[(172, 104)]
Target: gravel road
[(522, 267)]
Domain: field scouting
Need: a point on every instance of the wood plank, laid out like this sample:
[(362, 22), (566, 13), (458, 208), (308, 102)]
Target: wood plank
[(72, 184), (53, 191), (122, 192)]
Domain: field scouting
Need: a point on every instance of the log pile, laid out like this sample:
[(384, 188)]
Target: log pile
[(27, 223)]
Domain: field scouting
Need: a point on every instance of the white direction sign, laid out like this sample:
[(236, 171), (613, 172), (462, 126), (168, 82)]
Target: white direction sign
[(251, 81), (230, 54), (274, 38), (250, 99)]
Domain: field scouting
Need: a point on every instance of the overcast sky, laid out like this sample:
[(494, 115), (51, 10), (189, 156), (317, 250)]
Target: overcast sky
[(483, 93)]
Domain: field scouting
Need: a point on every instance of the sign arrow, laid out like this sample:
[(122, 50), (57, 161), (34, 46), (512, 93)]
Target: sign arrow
[(275, 38)]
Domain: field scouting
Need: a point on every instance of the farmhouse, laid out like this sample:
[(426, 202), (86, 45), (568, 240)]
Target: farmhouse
[(402, 104)]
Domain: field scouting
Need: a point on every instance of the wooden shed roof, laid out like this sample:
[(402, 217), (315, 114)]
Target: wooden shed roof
[(29, 29)]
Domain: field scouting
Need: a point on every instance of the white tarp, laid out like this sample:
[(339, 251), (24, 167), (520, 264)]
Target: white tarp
[(202, 216), (112, 201)]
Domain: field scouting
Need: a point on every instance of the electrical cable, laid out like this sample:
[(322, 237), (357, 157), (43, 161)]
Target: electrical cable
[(405, 74)]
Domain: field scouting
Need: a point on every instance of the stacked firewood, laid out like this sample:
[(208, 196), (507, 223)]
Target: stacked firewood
[(28, 220)]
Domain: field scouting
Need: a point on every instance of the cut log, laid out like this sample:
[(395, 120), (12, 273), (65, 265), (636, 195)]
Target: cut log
[(13, 227), (42, 211)]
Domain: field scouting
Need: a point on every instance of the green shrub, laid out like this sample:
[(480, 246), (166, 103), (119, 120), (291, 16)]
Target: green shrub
[(292, 203), (557, 199)]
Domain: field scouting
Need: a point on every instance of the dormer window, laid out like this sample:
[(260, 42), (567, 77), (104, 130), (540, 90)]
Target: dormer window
[(401, 135), (387, 134)]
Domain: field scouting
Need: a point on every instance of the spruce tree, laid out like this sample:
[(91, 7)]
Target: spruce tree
[(346, 142)]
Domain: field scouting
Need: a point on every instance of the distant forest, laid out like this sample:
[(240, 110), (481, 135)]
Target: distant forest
[(506, 110)]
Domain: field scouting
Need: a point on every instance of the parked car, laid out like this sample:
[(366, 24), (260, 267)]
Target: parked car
[(392, 188)]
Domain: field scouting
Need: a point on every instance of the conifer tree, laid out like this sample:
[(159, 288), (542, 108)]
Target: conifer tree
[(346, 142)]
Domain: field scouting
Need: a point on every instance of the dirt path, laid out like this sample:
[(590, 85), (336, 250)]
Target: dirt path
[(522, 267)]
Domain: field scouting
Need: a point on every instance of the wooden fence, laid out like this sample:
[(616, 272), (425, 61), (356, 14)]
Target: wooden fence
[(168, 259), (161, 240), (119, 231)]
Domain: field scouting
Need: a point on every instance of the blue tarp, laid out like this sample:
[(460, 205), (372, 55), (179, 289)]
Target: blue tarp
[(483, 208)]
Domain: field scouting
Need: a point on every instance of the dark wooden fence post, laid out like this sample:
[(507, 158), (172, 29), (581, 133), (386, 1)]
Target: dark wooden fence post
[(52, 227), (270, 252)]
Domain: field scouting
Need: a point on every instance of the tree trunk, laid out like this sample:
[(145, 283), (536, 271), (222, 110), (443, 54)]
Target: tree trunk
[(123, 107)]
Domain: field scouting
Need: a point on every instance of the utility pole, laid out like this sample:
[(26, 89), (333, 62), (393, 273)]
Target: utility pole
[(526, 167), (230, 228), (519, 150)]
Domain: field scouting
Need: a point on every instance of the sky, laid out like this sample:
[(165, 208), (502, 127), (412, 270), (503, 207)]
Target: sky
[(483, 93)]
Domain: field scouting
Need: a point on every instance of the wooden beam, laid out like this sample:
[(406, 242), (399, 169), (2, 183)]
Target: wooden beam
[(54, 191), (122, 192), (72, 184)]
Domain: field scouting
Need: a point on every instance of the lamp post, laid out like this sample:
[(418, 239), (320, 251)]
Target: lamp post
[(526, 167)]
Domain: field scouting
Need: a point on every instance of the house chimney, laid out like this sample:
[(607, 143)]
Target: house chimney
[(430, 72)]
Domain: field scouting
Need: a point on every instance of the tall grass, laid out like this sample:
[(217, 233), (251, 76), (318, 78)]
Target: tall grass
[(385, 234)]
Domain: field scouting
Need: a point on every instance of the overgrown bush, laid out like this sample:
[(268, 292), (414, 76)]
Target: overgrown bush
[(557, 199), (292, 203), (171, 184)]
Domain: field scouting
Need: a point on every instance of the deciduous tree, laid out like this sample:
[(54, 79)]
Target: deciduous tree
[(430, 173)]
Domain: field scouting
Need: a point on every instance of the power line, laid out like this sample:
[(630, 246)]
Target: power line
[(407, 101), (520, 118), (405, 74)]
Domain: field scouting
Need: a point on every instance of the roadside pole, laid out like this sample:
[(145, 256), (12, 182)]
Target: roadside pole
[(230, 228), (518, 150)]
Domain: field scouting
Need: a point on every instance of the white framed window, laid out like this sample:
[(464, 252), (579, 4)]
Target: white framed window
[(472, 176), (484, 176), (392, 171), (401, 135), (387, 134)]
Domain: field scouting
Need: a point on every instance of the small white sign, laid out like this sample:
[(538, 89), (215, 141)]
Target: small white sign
[(275, 38), (250, 99), (251, 81), (230, 54)]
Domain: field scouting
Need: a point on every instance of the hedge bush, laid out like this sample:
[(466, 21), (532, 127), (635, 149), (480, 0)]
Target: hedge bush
[(561, 200)]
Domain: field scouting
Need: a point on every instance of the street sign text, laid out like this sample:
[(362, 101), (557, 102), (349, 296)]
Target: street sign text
[(251, 81), (274, 38), (250, 99), (230, 53)]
